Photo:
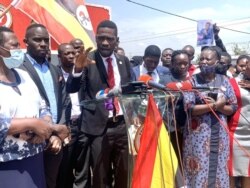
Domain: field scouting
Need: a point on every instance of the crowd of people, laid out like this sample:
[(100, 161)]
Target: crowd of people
[(47, 139)]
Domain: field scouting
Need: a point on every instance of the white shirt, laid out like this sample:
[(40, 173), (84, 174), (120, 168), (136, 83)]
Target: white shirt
[(117, 77), (154, 75), (75, 110), (115, 69)]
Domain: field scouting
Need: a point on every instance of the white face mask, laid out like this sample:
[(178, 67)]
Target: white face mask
[(15, 60)]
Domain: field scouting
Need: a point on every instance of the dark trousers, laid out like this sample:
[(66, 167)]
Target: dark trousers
[(110, 157), (24, 173), (82, 176), (51, 167), (106, 154), (65, 176)]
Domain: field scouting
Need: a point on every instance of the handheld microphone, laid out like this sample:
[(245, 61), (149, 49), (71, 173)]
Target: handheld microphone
[(107, 93), (102, 94), (106, 96), (149, 82)]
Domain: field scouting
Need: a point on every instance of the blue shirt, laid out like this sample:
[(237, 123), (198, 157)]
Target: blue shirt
[(47, 81)]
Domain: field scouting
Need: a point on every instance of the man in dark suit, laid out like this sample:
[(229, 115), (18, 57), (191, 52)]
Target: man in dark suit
[(51, 85), (66, 56), (150, 65), (103, 130)]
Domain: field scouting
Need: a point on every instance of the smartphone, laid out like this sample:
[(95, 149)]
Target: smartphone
[(213, 95)]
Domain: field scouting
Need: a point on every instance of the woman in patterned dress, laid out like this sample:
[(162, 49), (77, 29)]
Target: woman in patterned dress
[(239, 126), (206, 142), (22, 133)]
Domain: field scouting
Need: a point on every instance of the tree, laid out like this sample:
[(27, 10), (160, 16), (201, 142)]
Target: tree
[(239, 50)]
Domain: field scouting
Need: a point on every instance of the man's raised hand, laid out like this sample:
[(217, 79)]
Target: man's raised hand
[(82, 60)]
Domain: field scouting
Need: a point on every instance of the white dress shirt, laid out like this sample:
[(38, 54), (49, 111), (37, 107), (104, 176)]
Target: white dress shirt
[(154, 74), (75, 110), (117, 78)]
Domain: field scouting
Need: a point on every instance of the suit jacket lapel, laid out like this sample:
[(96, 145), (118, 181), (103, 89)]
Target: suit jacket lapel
[(101, 68), (55, 79), (33, 74), (121, 68), (119, 65)]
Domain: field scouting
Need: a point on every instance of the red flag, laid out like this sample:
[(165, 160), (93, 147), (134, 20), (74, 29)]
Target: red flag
[(156, 164)]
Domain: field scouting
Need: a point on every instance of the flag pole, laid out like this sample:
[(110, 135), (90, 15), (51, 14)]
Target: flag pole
[(13, 3), (6, 10)]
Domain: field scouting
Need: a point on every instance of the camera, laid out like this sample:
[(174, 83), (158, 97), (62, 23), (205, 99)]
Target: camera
[(213, 95)]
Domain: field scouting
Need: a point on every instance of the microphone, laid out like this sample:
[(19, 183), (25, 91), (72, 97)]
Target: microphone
[(103, 96), (107, 93), (174, 86), (149, 82), (106, 96), (177, 86), (207, 88), (187, 86)]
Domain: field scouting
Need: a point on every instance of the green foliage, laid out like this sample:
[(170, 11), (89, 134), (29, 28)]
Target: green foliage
[(238, 50)]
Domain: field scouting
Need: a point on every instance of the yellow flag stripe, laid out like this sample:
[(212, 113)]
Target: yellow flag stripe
[(67, 20), (166, 163)]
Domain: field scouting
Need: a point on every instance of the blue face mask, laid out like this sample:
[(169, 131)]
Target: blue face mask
[(15, 60), (207, 69)]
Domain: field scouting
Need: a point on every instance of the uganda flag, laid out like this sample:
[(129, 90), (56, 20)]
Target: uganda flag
[(156, 164), (65, 20)]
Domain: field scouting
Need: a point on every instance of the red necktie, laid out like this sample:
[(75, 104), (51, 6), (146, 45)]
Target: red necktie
[(111, 77), (111, 81)]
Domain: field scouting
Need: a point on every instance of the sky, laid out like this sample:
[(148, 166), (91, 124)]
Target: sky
[(139, 26)]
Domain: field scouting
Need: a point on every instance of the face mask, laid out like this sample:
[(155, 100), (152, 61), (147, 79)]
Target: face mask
[(207, 69), (221, 69), (15, 60)]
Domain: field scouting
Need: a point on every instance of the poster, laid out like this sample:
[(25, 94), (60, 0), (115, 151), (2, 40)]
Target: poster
[(205, 35)]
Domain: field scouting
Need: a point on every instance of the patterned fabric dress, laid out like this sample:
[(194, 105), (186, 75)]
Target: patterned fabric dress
[(21, 162), (206, 143), (239, 126)]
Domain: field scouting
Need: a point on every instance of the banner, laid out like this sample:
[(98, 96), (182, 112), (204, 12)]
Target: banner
[(64, 20)]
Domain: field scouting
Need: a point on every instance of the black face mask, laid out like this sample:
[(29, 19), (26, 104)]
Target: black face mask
[(221, 69)]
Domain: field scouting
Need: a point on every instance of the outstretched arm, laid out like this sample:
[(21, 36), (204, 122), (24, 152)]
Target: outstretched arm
[(217, 39)]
